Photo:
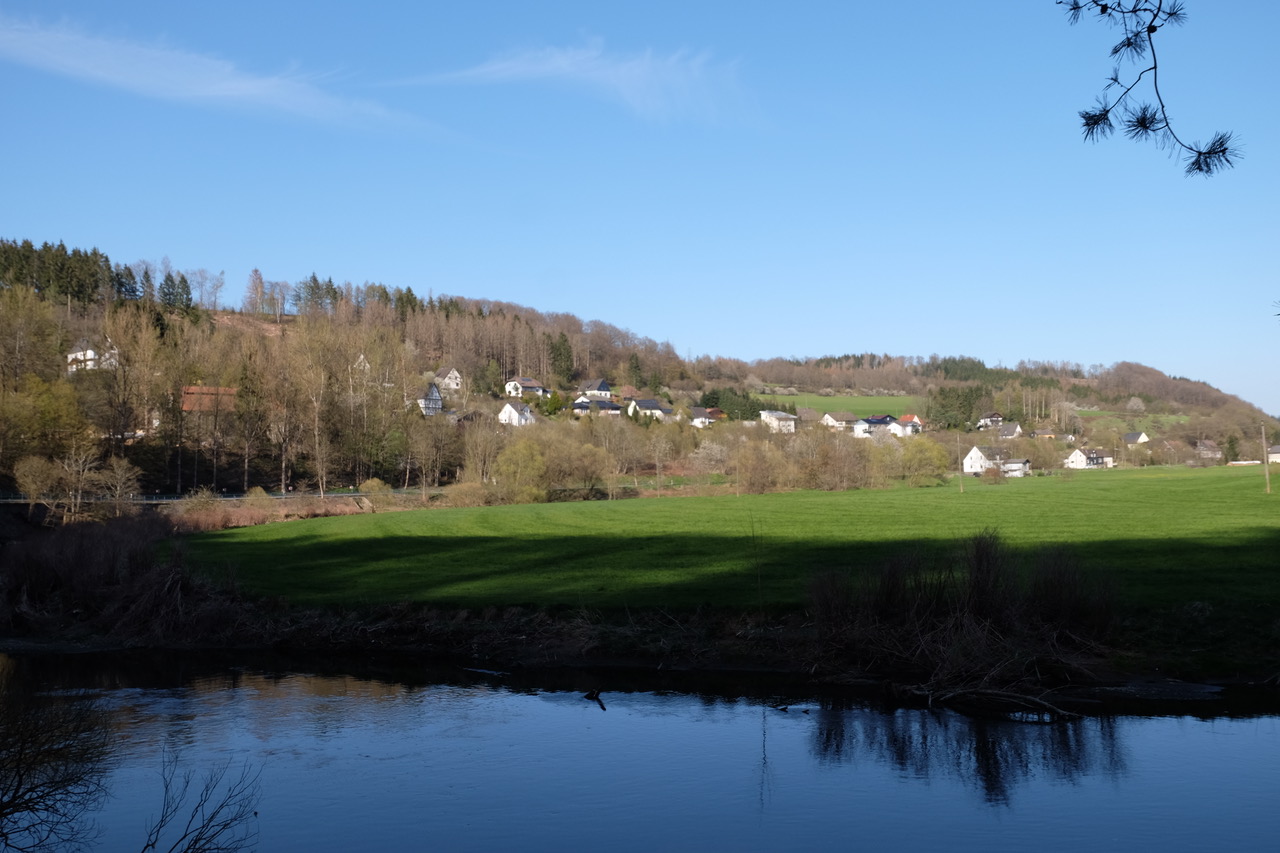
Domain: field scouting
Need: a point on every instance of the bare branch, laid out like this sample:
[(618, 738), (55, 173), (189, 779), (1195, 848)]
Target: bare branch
[(220, 819)]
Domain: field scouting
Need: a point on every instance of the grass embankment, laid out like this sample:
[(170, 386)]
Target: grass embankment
[(1165, 537), (860, 406)]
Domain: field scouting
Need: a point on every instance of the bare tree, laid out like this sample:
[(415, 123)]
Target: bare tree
[(218, 816), (53, 761), (1141, 21)]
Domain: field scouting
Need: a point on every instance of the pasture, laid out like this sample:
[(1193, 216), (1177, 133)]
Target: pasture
[(860, 406), (1166, 537)]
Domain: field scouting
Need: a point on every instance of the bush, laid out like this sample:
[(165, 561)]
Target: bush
[(378, 493), (467, 494)]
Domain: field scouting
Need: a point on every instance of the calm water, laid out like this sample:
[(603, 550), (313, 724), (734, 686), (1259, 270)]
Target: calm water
[(451, 760)]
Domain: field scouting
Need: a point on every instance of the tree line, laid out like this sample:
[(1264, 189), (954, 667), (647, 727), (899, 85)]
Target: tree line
[(312, 385)]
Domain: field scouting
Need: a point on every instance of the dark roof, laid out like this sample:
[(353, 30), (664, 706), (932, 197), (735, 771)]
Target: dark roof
[(594, 385)]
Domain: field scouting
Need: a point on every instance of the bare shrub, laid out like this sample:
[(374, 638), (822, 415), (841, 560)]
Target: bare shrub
[(467, 494), (1061, 593), (991, 584), (831, 598)]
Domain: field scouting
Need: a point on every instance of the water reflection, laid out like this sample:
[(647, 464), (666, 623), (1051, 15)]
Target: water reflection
[(993, 756), (54, 753), (529, 761)]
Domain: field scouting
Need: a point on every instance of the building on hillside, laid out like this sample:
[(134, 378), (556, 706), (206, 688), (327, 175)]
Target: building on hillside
[(990, 420), (1010, 430), (877, 424), (778, 421), (86, 357), (1133, 439), (911, 424), (520, 386), (449, 380), (585, 405), (1089, 457), (430, 401), (516, 413), (1207, 449), (979, 459), (596, 389), (208, 399), (650, 409), (839, 421)]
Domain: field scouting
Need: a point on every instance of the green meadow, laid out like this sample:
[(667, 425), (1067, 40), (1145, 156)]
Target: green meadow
[(1165, 536), (860, 406)]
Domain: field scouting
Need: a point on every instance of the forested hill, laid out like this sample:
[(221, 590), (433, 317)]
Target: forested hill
[(334, 357)]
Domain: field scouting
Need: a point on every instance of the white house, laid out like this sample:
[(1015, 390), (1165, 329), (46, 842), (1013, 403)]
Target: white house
[(649, 409), (522, 385), (839, 421), (584, 405), (700, 417), (516, 414), (1273, 453), (596, 389), (866, 427), (1016, 467), (1011, 430), (990, 420), (1089, 457), (449, 379), (87, 358), (778, 421), (1133, 439), (911, 424)]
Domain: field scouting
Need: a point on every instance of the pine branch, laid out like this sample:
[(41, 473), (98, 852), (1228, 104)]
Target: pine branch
[(1141, 21)]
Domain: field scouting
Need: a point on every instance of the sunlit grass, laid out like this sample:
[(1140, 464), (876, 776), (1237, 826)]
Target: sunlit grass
[(1164, 535)]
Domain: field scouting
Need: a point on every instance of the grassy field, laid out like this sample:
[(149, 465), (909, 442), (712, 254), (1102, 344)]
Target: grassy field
[(1167, 537), (860, 406)]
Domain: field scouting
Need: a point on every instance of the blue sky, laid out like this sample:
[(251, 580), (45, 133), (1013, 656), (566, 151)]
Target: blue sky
[(746, 179)]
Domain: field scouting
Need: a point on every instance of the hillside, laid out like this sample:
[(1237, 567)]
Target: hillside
[(312, 386)]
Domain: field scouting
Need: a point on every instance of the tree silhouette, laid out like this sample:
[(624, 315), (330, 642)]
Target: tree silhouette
[(1141, 21)]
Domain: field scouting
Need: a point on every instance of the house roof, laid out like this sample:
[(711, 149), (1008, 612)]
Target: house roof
[(1133, 437), (526, 382), (912, 419), (594, 385), (696, 412), (995, 454), (207, 398), (842, 417)]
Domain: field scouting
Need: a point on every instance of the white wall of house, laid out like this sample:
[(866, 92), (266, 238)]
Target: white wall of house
[(515, 414), (975, 462), (778, 421)]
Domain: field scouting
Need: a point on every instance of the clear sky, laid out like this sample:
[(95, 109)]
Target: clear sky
[(744, 179)]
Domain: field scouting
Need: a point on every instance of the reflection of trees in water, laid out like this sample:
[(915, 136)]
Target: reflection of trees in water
[(53, 761), (994, 756), (55, 753)]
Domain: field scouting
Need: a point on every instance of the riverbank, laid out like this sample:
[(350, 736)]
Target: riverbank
[(97, 587)]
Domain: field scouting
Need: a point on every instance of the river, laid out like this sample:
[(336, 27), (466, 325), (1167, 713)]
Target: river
[(368, 755)]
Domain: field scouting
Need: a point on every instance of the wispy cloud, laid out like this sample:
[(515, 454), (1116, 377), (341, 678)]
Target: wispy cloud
[(676, 85), (172, 74)]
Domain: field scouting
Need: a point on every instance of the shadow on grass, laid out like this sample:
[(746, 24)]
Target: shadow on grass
[(682, 571)]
